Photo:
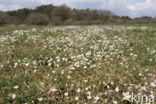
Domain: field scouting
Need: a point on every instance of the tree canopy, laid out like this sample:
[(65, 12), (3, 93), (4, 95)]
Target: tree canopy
[(62, 15)]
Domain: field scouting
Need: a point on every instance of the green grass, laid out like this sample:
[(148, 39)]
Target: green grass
[(85, 64)]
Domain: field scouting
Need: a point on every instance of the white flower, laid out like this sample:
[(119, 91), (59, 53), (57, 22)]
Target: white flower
[(76, 98), (26, 64), (35, 71), (41, 83), (108, 86), (53, 71), (96, 98), (105, 93), (14, 96), (72, 84), (68, 77), (53, 89), (16, 87), (86, 88), (152, 84), (117, 89), (78, 90), (40, 99), (49, 64), (2, 66), (140, 74), (72, 68), (15, 64), (115, 102), (89, 93), (66, 94), (85, 81), (26, 72), (34, 62), (89, 97)]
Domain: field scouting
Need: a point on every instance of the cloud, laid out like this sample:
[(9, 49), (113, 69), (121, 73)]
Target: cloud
[(148, 7), (10, 7), (141, 6), (6, 5), (117, 6), (131, 8)]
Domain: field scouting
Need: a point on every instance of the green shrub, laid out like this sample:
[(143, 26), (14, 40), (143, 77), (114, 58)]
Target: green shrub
[(4, 18), (37, 19)]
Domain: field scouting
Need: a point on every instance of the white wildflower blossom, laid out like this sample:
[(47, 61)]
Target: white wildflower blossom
[(78, 90), (76, 98), (69, 77), (16, 87), (152, 84), (89, 97), (115, 102), (26, 64), (66, 94), (40, 99), (117, 89), (96, 98), (13, 96)]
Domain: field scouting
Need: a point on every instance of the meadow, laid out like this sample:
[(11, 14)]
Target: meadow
[(97, 64)]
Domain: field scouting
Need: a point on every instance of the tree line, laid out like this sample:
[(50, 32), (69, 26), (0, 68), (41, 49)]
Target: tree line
[(64, 15)]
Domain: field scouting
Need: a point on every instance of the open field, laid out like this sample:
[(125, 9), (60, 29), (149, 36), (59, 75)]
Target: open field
[(76, 64)]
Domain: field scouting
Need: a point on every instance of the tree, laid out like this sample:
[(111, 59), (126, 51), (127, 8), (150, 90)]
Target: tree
[(37, 19), (62, 11), (105, 13), (45, 9), (125, 19), (154, 19), (79, 15), (20, 14), (144, 19), (56, 21), (5, 18)]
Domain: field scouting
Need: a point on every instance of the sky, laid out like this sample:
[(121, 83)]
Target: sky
[(132, 8)]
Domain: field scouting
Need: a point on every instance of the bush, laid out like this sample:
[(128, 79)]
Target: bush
[(4, 18), (56, 21), (68, 22), (63, 12), (37, 19)]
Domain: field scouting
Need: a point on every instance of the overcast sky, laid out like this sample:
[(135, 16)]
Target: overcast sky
[(133, 8)]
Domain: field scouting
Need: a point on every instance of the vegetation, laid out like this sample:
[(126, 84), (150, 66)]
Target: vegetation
[(37, 19), (76, 64), (64, 15), (4, 18)]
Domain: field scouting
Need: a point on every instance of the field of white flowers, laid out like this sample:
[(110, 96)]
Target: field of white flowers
[(76, 64)]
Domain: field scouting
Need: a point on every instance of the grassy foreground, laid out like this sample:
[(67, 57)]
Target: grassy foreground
[(76, 64)]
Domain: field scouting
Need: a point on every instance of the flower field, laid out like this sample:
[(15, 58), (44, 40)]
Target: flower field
[(76, 64)]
